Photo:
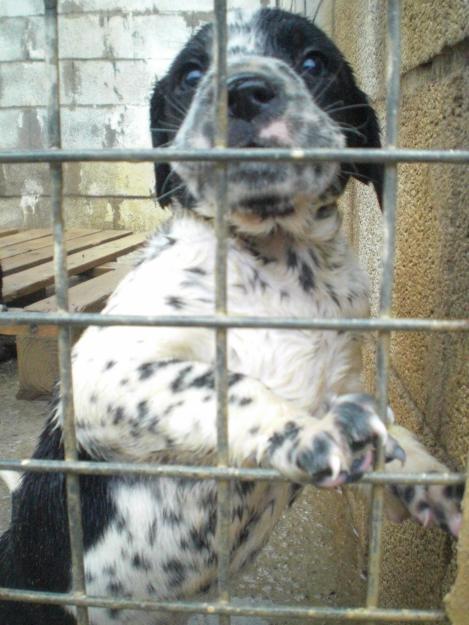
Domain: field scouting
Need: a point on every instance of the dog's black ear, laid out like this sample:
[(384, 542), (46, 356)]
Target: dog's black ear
[(362, 117), (160, 135)]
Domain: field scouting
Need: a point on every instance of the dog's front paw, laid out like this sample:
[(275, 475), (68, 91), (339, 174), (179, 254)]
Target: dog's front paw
[(334, 450), (432, 505), (436, 504)]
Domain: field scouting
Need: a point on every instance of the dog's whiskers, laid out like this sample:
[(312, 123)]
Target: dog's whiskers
[(173, 190), (162, 129)]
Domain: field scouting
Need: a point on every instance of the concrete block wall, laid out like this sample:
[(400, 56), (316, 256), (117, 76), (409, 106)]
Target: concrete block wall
[(429, 386), (111, 52)]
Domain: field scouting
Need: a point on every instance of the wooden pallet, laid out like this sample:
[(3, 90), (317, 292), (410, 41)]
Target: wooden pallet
[(27, 263)]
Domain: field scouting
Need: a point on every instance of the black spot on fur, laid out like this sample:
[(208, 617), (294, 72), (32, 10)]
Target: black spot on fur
[(306, 278), (142, 409), (332, 294), (147, 369), (152, 533), (292, 258), (408, 494), (180, 382), (234, 378), (197, 270), (110, 570), (172, 518), (206, 380), (175, 302), (454, 491), (169, 409), (109, 365), (119, 415), (115, 588), (289, 432), (176, 572), (140, 562)]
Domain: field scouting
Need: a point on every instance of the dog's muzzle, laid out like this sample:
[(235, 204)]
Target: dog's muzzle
[(269, 106)]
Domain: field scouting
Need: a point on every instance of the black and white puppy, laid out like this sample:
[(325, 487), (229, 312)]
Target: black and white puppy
[(148, 394)]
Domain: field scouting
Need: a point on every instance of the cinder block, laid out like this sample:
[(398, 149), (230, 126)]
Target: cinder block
[(428, 27), (125, 36), (12, 8), (109, 179), (22, 38), (23, 128), (133, 6), (106, 127), (140, 215), (104, 82), (10, 213), (27, 211), (23, 84), (18, 179)]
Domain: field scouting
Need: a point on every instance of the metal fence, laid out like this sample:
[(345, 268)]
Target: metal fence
[(390, 155)]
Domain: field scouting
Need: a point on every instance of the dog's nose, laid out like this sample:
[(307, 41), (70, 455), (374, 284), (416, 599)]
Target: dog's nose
[(248, 96)]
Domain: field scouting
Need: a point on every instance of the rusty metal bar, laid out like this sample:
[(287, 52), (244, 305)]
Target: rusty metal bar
[(240, 609), (209, 472), (221, 373), (140, 155), (35, 320), (393, 48), (65, 406)]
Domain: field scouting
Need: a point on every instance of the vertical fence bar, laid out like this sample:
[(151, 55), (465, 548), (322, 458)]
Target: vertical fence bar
[(64, 333), (221, 118), (389, 208)]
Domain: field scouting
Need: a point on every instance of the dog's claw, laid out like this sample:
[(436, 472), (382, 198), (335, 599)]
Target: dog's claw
[(394, 451)]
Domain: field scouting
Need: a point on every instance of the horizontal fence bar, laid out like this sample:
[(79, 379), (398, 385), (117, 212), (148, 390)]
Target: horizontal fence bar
[(347, 155), (221, 321), (238, 609), (209, 472)]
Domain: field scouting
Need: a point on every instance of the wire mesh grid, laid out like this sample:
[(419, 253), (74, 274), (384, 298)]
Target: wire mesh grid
[(390, 155)]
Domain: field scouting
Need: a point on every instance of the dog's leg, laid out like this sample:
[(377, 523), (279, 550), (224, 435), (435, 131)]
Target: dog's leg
[(169, 407), (429, 505)]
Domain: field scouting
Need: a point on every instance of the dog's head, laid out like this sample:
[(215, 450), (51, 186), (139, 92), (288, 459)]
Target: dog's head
[(288, 86)]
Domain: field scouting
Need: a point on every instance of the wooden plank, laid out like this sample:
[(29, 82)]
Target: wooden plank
[(4, 232), (36, 244), (31, 280), (24, 235), (90, 294), (43, 331), (37, 357), (36, 257)]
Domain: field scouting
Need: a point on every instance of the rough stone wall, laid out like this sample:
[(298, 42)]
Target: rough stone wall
[(429, 386), (110, 53)]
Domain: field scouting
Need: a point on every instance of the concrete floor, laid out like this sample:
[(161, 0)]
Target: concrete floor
[(304, 562)]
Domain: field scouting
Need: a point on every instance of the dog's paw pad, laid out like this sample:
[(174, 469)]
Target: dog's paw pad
[(433, 505)]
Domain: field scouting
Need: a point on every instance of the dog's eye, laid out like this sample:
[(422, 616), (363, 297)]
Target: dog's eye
[(192, 76), (314, 64)]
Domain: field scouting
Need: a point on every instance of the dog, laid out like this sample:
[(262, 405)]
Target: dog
[(295, 398)]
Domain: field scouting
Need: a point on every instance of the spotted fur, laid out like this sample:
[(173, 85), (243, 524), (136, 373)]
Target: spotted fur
[(295, 398)]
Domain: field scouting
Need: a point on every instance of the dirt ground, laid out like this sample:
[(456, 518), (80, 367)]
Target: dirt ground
[(302, 564)]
